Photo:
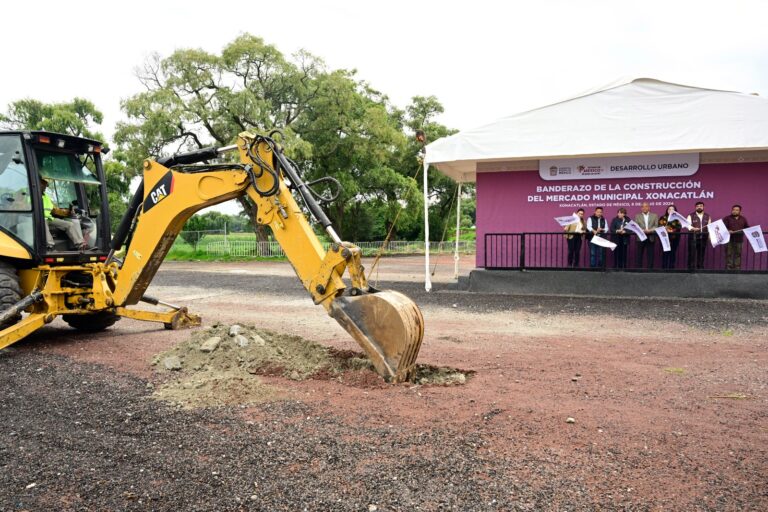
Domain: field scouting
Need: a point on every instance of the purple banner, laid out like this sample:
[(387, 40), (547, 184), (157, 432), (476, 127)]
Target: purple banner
[(520, 201)]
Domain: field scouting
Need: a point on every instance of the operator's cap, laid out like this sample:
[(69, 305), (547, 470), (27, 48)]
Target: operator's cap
[(43, 180)]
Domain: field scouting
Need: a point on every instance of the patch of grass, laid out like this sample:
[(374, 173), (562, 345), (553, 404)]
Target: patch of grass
[(182, 251), (675, 371), (727, 332), (466, 235), (204, 256)]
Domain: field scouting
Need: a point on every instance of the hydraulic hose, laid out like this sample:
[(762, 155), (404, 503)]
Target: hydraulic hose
[(191, 157), (306, 193)]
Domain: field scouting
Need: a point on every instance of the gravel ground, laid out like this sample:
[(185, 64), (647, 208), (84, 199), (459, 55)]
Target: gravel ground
[(68, 426), (675, 421)]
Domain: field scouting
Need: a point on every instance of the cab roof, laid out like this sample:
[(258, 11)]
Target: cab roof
[(70, 141)]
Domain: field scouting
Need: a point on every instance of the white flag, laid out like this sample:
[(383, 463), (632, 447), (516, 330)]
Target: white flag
[(756, 238), (664, 237), (718, 233), (636, 229), (602, 242), (567, 220), (682, 220)]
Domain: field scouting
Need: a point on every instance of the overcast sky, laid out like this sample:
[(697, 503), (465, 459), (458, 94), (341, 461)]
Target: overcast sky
[(483, 60)]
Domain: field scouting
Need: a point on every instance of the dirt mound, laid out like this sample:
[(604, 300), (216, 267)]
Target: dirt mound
[(221, 365)]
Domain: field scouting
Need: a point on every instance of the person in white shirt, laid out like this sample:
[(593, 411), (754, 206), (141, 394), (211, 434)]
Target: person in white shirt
[(596, 226)]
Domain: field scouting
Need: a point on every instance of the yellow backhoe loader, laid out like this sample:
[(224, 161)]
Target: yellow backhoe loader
[(57, 258)]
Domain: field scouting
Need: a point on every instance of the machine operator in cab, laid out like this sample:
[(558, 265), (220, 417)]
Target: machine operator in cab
[(59, 218)]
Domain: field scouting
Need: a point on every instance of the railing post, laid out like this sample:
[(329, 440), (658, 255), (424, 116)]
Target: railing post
[(522, 251), (604, 258)]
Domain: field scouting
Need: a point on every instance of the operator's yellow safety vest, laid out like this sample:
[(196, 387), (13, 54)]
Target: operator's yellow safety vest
[(47, 207)]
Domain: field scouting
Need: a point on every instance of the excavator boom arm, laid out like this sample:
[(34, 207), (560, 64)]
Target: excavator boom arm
[(386, 324)]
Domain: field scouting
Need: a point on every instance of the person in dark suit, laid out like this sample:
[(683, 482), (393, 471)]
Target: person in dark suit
[(620, 238), (596, 226), (648, 222), (698, 239)]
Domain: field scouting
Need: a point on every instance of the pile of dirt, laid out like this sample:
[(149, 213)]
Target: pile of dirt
[(221, 365)]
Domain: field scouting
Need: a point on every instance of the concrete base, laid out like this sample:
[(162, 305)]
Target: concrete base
[(619, 284)]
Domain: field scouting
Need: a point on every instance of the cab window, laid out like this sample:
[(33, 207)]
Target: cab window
[(63, 167), (14, 180), (15, 202), (62, 193)]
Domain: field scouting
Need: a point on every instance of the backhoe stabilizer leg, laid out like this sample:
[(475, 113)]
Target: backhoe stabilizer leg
[(22, 329), (176, 319)]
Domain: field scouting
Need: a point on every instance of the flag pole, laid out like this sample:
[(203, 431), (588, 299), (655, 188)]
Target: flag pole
[(427, 279), (421, 138), (458, 230)]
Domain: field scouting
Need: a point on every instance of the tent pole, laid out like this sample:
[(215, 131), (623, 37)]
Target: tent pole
[(427, 280), (458, 225)]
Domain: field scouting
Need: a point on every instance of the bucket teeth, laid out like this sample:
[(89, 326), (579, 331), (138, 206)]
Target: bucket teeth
[(388, 326)]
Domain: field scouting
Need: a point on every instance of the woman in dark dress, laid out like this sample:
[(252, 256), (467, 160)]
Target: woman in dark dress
[(620, 238)]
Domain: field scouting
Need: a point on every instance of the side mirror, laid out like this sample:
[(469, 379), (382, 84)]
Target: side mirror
[(17, 158)]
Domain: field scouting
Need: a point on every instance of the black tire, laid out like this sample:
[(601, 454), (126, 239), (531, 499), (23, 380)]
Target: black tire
[(93, 322), (10, 291)]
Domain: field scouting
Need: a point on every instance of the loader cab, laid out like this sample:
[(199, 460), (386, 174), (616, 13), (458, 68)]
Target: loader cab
[(69, 171)]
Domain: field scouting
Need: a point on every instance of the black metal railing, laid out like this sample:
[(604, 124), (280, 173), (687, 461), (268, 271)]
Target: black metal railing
[(556, 251)]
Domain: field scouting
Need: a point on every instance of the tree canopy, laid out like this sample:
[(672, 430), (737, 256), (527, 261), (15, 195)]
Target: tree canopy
[(73, 118), (332, 124)]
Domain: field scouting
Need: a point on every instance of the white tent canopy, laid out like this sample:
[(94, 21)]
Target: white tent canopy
[(629, 117)]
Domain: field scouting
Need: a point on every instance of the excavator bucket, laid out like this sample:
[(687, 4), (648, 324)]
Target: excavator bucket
[(389, 327)]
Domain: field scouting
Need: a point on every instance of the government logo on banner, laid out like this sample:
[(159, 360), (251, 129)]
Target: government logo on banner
[(639, 166)]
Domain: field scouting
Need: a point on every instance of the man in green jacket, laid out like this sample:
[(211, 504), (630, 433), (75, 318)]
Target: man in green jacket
[(56, 217)]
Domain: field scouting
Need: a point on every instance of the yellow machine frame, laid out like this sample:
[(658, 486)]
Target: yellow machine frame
[(171, 197)]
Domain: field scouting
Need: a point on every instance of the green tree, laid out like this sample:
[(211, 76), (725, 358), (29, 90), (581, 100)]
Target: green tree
[(356, 136), (333, 125), (194, 98), (73, 118), (420, 115)]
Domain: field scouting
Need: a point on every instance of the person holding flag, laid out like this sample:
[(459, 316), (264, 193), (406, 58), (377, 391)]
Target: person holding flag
[(673, 227), (575, 234), (735, 223), (648, 222), (596, 226), (697, 240), (620, 238), (636, 229)]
